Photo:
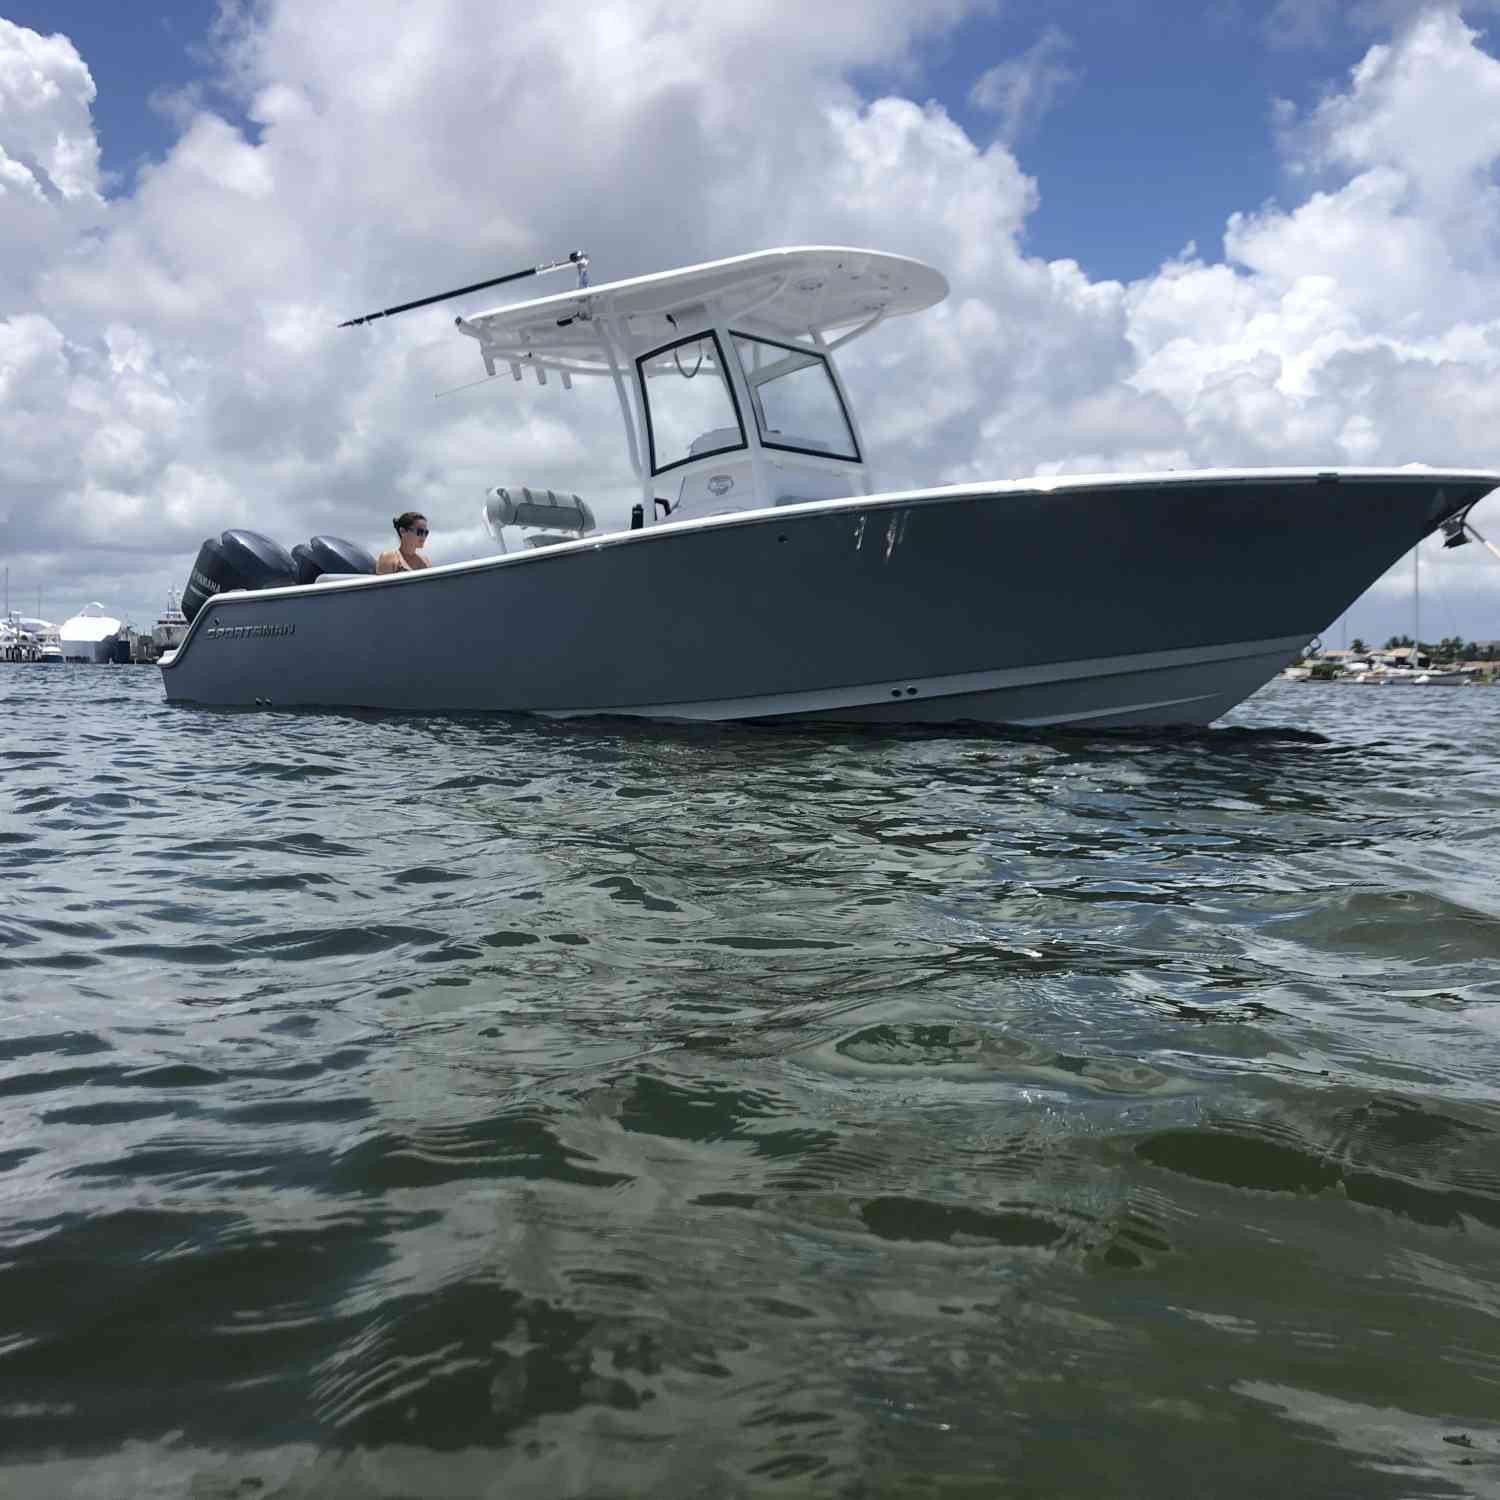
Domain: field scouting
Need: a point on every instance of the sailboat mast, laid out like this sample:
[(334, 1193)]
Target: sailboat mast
[(1416, 603)]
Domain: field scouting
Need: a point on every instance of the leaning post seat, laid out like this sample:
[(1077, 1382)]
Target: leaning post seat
[(543, 508), (550, 538)]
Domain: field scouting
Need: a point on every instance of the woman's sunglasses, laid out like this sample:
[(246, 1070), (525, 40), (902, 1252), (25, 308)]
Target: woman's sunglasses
[(419, 531)]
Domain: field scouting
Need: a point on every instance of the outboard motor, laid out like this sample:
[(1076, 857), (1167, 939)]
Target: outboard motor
[(307, 565), (236, 560), (211, 574), (332, 554), (257, 561)]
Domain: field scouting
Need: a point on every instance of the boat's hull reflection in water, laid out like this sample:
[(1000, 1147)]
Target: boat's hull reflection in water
[(1103, 602)]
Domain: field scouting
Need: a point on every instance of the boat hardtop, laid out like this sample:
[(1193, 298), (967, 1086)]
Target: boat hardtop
[(798, 292)]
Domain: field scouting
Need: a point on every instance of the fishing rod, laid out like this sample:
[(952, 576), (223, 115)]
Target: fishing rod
[(576, 258)]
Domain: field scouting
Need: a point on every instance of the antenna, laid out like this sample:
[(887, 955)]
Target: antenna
[(575, 258)]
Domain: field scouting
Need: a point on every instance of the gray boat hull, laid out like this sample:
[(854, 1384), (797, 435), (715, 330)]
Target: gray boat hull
[(1135, 601)]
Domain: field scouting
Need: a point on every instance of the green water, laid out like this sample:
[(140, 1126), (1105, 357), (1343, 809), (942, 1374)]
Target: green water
[(423, 1108)]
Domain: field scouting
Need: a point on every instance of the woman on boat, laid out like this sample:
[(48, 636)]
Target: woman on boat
[(412, 533)]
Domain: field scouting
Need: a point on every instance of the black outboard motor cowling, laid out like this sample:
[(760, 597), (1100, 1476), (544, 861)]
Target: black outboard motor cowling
[(248, 560), (307, 564), (259, 562), (334, 555), (211, 575)]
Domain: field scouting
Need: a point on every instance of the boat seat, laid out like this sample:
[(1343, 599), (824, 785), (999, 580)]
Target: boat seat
[(520, 506)]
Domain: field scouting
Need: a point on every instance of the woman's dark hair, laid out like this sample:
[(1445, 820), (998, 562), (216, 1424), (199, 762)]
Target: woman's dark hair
[(407, 519)]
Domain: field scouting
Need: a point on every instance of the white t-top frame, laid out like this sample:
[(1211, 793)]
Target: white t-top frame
[(794, 298)]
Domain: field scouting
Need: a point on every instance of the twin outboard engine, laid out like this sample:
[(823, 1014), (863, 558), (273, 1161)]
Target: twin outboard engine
[(248, 560)]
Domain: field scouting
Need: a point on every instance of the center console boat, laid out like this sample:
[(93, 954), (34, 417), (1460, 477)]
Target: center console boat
[(766, 576)]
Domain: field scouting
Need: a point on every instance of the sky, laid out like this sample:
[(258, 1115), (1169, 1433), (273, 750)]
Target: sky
[(1181, 235)]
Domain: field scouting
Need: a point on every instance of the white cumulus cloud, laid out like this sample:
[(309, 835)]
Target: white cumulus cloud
[(1021, 90)]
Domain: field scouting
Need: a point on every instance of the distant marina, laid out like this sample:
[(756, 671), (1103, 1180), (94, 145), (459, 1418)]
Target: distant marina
[(1408, 659), (92, 637), (1404, 664)]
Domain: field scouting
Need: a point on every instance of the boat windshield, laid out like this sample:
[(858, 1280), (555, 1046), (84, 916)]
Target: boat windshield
[(796, 402), (690, 408)]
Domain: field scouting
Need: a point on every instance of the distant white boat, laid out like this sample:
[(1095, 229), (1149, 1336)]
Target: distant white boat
[(15, 644), (171, 626), (45, 632), (24, 638), (1426, 676), (90, 636), (1384, 673)]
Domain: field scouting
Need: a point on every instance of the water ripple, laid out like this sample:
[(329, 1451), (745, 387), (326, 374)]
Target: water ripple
[(448, 1107)]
